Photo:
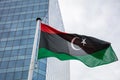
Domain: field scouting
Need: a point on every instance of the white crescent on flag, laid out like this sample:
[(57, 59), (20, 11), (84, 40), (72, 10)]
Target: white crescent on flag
[(72, 45)]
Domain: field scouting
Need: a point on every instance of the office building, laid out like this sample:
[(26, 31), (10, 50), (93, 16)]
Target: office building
[(19, 40)]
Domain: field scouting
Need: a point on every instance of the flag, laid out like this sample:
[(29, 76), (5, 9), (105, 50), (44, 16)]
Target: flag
[(65, 46)]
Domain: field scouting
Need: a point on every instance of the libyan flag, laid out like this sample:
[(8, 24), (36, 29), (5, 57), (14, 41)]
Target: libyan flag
[(91, 51)]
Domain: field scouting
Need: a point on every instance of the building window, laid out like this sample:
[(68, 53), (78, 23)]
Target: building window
[(12, 64), (4, 64), (2, 76), (25, 75), (18, 75), (20, 63), (9, 76)]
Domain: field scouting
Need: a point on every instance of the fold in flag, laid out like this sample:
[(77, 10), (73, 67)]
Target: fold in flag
[(91, 51)]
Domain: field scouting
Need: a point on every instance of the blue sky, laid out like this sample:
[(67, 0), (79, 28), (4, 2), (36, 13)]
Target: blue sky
[(97, 18)]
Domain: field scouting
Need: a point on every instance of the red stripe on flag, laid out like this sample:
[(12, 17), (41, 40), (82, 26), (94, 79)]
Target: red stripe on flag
[(48, 29)]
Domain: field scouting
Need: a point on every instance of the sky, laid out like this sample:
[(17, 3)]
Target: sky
[(96, 18)]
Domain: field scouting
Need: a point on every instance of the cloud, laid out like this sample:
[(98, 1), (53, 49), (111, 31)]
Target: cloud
[(97, 18)]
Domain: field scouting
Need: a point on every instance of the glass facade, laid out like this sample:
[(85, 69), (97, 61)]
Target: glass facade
[(56, 69), (17, 33)]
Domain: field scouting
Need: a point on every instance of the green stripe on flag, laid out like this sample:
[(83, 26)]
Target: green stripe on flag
[(91, 61)]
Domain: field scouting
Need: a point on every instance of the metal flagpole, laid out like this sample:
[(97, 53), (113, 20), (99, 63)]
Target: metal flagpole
[(38, 20), (33, 56)]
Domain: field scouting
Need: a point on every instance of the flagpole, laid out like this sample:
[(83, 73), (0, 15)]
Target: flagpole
[(38, 20), (33, 56)]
